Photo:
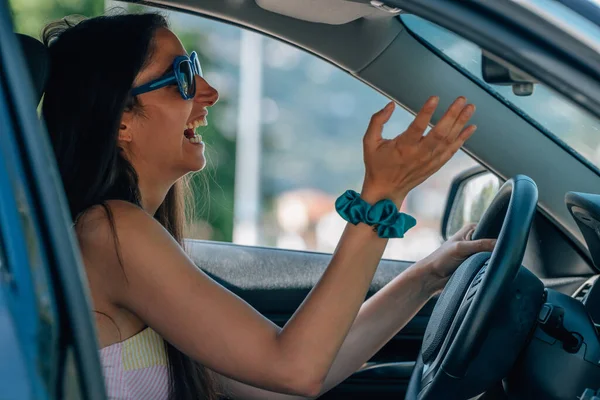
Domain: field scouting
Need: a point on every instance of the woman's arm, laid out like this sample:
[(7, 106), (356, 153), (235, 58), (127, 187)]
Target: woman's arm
[(162, 286), (166, 290), (382, 316), (379, 319)]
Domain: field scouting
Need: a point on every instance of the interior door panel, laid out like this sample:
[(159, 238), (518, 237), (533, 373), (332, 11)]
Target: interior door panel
[(276, 281)]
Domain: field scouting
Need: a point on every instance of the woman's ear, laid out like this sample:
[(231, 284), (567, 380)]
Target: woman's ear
[(125, 127)]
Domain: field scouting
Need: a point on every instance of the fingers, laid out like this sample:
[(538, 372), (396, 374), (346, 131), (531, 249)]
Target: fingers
[(469, 235), (469, 247), (447, 151), (463, 233), (414, 132), (461, 121), (466, 134), (450, 128), (447, 121), (373, 134)]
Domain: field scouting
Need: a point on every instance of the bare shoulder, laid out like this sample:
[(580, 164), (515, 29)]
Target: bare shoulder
[(110, 235), (100, 225)]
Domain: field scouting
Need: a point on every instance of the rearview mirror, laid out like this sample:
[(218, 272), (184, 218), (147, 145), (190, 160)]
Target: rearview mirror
[(496, 72), (470, 195)]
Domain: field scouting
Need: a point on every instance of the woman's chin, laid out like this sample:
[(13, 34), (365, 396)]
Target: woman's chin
[(191, 165), (194, 155), (199, 164)]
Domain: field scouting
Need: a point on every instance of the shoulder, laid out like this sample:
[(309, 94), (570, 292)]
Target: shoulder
[(112, 238), (101, 224), (96, 216), (129, 256)]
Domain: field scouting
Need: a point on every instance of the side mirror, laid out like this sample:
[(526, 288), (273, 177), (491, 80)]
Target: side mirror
[(470, 194)]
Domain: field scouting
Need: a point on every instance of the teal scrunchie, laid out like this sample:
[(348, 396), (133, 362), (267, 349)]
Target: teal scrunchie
[(383, 216)]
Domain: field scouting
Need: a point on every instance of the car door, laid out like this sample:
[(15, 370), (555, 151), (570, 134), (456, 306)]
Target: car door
[(48, 348)]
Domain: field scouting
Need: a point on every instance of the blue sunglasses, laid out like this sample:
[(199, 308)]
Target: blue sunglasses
[(184, 74)]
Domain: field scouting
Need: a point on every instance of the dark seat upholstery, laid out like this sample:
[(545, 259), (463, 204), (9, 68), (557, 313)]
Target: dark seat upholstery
[(38, 62)]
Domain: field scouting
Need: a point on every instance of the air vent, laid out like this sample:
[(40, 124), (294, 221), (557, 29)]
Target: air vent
[(581, 293)]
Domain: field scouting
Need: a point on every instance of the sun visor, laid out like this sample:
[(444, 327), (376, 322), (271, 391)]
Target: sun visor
[(332, 12)]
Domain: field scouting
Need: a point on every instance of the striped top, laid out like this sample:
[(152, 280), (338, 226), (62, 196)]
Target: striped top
[(136, 368)]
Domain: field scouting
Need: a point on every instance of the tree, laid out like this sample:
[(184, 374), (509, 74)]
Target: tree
[(30, 16)]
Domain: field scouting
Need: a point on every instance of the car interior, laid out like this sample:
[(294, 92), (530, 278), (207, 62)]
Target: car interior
[(542, 340)]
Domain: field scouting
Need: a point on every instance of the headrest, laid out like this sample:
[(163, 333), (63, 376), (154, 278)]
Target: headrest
[(38, 62)]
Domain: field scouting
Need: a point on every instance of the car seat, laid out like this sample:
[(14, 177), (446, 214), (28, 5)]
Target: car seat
[(38, 62)]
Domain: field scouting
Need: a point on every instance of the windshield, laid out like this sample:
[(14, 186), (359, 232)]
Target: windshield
[(572, 126)]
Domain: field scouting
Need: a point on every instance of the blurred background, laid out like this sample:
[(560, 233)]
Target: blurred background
[(283, 142)]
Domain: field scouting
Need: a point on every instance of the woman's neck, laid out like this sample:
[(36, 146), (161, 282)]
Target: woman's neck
[(152, 194)]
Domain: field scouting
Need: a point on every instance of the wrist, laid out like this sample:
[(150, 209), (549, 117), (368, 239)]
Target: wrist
[(431, 283), (383, 216), (372, 195)]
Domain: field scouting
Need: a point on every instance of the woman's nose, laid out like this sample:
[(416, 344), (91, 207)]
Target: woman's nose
[(205, 93)]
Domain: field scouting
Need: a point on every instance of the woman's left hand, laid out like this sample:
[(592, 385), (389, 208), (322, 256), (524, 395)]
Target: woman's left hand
[(441, 264)]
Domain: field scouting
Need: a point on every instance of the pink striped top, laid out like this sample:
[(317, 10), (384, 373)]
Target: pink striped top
[(136, 368)]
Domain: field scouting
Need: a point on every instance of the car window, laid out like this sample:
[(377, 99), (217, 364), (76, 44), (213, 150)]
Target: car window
[(285, 140), (556, 116)]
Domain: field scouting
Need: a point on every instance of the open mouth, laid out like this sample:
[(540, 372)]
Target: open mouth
[(190, 131)]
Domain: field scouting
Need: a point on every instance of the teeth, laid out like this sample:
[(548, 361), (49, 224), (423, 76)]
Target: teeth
[(196, 139), (195, 124)]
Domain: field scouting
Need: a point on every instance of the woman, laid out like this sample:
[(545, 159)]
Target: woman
[(121, 106)]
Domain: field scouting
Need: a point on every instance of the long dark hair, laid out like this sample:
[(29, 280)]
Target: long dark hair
[(93, 63)]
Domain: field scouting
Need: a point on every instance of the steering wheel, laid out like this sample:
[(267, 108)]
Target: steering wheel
[(485, 313)]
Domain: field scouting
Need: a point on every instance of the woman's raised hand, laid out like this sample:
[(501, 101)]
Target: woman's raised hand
[(395, 166)]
